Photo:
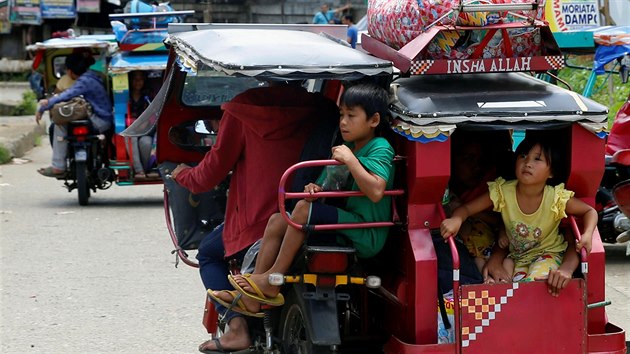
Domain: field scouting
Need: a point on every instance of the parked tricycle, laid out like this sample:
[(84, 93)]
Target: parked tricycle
[(337, 302)]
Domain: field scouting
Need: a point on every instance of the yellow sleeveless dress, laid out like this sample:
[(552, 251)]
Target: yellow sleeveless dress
[(536, 245)]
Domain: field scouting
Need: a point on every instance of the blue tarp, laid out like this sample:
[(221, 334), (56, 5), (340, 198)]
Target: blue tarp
[(607, 52)]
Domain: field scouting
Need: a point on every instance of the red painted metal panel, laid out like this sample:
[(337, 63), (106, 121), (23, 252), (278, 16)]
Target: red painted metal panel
[(423, 288), (587, 163), (523, 318), (412, 315), (492, 65), (613, 340), (596, 285), (383, 51), (428, 171), (210, 317)]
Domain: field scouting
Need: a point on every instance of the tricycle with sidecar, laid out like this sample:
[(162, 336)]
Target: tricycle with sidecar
[(339, 303), (96, 161)]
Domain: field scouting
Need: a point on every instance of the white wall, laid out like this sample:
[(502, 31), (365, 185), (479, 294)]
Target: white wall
[(620, 11)]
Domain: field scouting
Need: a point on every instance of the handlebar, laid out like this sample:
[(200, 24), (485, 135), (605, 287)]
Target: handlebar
[(283, 195)]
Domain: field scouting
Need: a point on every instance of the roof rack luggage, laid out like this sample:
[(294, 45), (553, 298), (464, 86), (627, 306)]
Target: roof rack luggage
[(467, 39)]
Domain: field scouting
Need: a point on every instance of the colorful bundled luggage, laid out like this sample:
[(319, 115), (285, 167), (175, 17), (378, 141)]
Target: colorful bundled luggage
[(396, 23)]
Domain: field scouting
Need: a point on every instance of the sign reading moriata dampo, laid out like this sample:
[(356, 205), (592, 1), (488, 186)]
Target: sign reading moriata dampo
[(565, 15)]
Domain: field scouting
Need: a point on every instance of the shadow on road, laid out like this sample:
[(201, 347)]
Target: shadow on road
[(97, 201), (616, 254)]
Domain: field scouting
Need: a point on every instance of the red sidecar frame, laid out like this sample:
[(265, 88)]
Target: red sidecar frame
[(426, 110)]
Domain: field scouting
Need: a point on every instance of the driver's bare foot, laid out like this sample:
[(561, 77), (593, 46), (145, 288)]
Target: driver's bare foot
[(236, 338)]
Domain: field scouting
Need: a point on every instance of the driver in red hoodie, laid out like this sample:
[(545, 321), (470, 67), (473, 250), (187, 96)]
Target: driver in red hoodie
[(261, 134)]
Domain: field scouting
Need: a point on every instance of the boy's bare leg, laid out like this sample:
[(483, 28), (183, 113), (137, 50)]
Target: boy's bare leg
[(235, 338), (480, 262), (508, 265), (291, 244), (269, 248), (271, 241)]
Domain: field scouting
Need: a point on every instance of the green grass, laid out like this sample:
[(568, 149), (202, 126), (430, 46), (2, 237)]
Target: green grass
[(577, 78), (27, 106), (5, 155)]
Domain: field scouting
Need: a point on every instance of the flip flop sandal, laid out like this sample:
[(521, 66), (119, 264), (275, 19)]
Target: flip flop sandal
[(220, 348), (237, 305), (258, 295)]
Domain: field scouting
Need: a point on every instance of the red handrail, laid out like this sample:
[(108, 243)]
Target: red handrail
[(456, 265), (578, 236), (283, 195)]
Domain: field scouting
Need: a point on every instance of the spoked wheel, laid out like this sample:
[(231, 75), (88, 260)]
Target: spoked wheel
[(296, 331), (82, 182)]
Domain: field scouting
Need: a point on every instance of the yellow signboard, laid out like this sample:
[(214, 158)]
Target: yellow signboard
[(120, 83)]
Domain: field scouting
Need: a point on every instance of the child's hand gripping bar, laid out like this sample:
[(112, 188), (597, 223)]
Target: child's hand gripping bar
[(583, 254)]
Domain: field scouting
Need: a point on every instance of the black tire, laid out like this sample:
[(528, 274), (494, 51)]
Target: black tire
[(295, 331), (82, 182)]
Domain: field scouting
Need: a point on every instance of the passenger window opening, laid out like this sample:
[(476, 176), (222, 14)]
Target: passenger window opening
[(212, 88), (59, 66), (197, 135), (143, 87)]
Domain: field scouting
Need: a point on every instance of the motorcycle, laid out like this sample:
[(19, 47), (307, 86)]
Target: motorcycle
[(86, 159), (621, 194), (614, 224)]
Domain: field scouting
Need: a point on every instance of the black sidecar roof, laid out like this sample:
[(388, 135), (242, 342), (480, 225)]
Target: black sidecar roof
[(503, 97), (274, 54), (430, 107)]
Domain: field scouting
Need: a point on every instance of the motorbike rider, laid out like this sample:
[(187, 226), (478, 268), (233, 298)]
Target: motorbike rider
[(88, 84), (256, 124)]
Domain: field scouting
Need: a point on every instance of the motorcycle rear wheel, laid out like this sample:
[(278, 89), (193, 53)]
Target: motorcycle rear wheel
[(82, 182)]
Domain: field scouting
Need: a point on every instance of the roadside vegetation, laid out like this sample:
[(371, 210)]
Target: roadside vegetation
[(612, 96), (5, 155), (27, 106)]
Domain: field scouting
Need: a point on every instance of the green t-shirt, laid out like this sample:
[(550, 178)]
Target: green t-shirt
[(376, 157)]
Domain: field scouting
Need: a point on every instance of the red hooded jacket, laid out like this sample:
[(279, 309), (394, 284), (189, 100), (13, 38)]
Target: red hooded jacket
[(261, 134)]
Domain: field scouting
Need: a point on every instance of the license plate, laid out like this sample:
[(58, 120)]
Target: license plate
[(80, 155)]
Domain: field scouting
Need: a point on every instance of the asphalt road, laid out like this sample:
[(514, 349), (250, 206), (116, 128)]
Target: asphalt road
[(101, 279), (95, 279)]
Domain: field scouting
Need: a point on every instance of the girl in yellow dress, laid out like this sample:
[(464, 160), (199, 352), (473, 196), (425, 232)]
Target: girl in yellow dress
[(531, 211)]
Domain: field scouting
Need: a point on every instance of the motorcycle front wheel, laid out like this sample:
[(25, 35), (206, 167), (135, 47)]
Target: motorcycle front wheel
[(82, 182)]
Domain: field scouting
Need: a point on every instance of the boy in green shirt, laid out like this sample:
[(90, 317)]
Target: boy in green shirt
[(368, 159)]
